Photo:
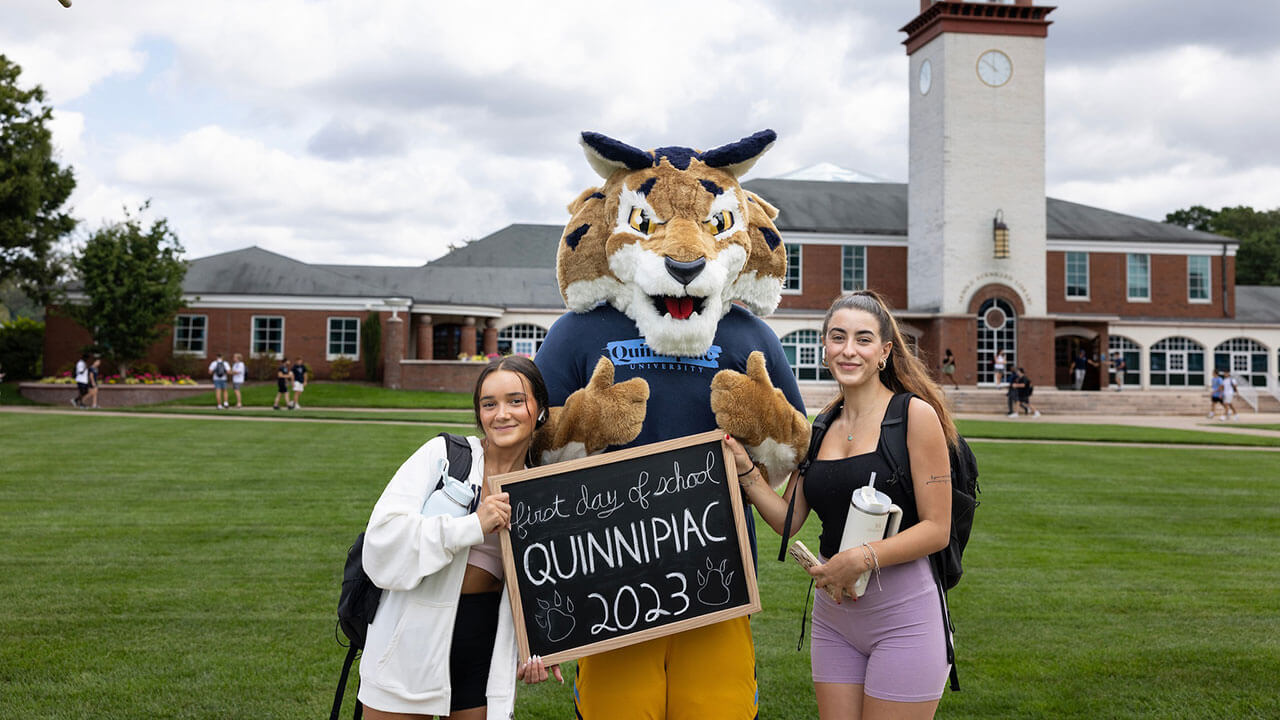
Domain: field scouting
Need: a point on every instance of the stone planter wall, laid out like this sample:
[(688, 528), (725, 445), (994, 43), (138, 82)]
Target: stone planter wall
[(111, 395)]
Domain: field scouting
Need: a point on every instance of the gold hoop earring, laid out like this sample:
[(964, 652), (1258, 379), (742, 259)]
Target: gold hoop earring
[(884, 362), (823, 360)]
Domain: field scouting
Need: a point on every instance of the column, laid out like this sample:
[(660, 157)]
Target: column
[(393, 347), (469, 337), (425, 333), (490, 337)]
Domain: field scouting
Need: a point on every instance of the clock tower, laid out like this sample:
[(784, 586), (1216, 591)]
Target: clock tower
[(976, 199)]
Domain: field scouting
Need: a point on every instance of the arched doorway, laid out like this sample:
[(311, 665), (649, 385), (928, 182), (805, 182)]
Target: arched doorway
[(997, 332)]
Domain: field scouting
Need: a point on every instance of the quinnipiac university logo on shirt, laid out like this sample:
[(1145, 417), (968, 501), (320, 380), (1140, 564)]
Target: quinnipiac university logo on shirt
[(637, 354)]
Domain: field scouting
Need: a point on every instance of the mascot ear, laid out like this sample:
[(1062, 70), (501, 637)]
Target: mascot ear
[(765, 205), (606, 155), (738, 157), (583, 197)]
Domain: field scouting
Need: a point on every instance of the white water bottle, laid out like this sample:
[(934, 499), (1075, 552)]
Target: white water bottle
[(872, 516), (453, 498)]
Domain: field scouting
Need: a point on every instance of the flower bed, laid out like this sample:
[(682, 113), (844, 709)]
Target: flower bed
[(123, 393), (140, 379)]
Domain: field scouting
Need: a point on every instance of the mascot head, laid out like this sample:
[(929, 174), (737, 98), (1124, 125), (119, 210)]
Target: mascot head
[(672, 240)]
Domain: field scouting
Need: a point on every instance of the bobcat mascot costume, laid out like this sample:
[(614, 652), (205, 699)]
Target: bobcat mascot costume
[(652, 264)]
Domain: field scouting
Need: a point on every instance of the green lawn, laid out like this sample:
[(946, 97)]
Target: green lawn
[(9, 395), (455, 417), (1088, 432), (343, 394), (189, 569)]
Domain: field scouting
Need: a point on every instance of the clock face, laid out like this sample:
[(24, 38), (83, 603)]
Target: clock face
[(994, 68), (926, 77)]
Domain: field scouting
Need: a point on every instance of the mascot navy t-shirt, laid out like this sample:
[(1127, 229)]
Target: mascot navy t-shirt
[(679, 387)]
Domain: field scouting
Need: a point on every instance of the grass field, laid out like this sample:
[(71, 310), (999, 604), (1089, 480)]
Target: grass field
[(190, 569), (343, 394)]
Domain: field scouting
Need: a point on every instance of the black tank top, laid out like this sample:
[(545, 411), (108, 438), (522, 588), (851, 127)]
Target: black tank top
[(829, 486)]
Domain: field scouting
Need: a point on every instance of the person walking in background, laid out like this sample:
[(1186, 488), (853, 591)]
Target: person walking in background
[(219, 370), (282, 385), (1025, 388), (95, 375), (885, 654), (1120, 367), (1079, 366), (999, 365), (949, 368), (1215, 395), (299, 372), (1011, 395), (1229, 390), (82, 380), (237, 377)]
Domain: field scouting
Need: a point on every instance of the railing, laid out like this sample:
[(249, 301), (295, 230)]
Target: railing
[(1247, 392)]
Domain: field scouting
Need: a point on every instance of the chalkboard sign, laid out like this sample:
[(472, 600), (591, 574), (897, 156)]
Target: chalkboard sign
[(618, 548)]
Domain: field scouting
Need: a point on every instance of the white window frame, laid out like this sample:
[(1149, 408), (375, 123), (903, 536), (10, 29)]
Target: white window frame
[(525, 338), (1128, 277), (854, 256), (328, 339), (1208, 280), (1066, 272), (204, 336), (253, 331), (799, 266)]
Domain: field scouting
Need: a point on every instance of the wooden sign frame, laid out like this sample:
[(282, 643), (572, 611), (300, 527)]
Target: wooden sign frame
[(500, 483)]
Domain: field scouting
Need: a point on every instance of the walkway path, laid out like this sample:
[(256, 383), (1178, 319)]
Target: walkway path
[(1173, 422)]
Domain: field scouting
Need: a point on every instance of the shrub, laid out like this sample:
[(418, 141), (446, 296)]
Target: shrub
[(262, 366), (371, 343), (183, 364), (340, 368), (21, 348)]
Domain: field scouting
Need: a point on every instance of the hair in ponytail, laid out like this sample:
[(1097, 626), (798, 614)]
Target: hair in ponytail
[(903, 372)]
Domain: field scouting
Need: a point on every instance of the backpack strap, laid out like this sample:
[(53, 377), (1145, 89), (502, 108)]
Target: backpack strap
[(816, 433), (893, 440), (458, 450), (342, 683)]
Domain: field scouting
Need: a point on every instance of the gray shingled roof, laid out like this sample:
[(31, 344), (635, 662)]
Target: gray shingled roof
[(515, 266), (1257, 304), (881, 209)]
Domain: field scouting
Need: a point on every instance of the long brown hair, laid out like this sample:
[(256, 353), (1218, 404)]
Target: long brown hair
[(903, 372)]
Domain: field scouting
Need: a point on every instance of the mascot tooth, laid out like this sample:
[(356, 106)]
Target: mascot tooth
[(662, 267)]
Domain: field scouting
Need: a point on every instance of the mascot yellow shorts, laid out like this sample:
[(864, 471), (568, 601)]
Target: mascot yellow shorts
[(706, 673)]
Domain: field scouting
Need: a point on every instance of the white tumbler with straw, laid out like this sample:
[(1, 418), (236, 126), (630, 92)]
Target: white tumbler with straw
[(872, 516)]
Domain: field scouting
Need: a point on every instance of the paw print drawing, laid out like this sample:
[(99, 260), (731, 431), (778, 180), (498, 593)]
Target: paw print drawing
[(713, 585), (554, 617)]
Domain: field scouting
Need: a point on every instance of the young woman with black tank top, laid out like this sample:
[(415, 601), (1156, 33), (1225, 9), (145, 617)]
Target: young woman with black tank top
[(882, 655)]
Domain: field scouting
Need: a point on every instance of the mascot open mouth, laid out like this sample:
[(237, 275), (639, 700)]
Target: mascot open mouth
[(679, 308)]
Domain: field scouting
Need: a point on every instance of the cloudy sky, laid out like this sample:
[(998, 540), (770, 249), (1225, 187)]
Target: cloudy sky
[(348, 131)]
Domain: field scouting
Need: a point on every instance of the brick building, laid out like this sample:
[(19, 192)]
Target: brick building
[(972, 253)]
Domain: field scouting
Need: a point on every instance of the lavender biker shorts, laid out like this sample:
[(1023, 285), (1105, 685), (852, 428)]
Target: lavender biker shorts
[(890, 641)]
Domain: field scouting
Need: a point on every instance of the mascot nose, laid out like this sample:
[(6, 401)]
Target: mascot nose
[(685, 272)]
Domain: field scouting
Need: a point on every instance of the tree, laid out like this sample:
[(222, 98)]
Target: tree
[(1258, 257), (33, 188), (371, 343), (132, 281)]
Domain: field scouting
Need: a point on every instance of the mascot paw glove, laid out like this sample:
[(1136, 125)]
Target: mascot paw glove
[(602, 413), (751, 409)]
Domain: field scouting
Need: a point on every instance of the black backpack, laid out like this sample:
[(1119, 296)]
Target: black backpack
[(359, 598), (964, 496), (220, 370)]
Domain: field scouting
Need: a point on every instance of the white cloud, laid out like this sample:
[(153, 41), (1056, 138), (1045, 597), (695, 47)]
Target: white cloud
[(345, 131)]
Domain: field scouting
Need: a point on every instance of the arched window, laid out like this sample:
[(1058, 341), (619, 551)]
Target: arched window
[(1132, 353), (1245, 358), (803, 349), (1177, 362), (521, 339), (997, 332)]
